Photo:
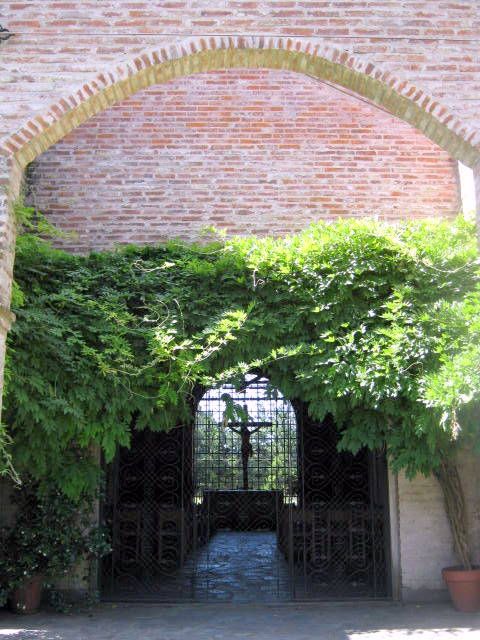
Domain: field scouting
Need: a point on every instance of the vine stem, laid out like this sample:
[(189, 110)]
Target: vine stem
[(455, 507)]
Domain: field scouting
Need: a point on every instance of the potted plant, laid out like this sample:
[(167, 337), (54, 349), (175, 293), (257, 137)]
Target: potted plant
[(463, 580), (51, 533), (451, 394)]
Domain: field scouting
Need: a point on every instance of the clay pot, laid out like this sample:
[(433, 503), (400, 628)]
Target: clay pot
[(464, 587), (26, 599)]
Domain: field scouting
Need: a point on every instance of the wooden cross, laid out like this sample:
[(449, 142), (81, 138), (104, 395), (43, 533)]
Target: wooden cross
[(245, 434)]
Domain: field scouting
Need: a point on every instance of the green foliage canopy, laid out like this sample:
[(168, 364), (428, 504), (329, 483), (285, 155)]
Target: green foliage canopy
[(375, 324)]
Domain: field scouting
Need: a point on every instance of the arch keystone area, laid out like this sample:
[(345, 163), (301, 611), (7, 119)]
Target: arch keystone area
[(400, 98)]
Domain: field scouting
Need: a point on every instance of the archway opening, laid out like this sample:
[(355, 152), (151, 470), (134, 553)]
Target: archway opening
[(246, 477), (246, 439), (252, 502)]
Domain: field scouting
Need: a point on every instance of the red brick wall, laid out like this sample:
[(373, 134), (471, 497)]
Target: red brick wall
[(248, 151), (59, 45)]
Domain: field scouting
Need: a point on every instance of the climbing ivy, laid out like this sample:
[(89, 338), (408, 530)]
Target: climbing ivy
[(378, 325)]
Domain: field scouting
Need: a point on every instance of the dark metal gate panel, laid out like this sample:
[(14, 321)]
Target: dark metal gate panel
[(149, 512), (339, 529), (252, 503)]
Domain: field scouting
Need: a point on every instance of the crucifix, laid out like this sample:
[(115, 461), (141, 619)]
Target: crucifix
[(245, 433)]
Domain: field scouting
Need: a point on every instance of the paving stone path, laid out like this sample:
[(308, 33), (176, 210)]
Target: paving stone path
[(377, 621)]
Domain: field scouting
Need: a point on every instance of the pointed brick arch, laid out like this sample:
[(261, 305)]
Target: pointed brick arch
[(197, 55)]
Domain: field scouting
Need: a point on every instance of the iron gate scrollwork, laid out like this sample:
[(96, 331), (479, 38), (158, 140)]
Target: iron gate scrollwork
[(339, 532), (253, 502)]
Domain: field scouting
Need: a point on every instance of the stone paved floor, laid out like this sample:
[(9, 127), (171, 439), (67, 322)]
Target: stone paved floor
[(377, 621), (242, 567), (234, 566)]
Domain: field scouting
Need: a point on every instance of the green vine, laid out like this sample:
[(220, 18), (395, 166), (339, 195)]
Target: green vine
[(377, 325)]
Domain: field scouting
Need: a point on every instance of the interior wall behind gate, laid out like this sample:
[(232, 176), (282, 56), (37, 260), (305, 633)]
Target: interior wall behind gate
[(246, 151)]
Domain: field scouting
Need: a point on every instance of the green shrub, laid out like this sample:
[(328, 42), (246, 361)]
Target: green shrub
[(377, 325), (49, 535)]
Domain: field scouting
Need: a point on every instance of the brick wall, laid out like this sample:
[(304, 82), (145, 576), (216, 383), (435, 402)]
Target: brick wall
[(247, 151), (60, 45)]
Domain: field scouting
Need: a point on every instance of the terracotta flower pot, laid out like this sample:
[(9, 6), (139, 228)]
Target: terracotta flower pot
[(26, 599), (464, 588)]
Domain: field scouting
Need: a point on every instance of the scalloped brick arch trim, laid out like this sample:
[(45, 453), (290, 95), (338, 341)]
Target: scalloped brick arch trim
[(201, 54)]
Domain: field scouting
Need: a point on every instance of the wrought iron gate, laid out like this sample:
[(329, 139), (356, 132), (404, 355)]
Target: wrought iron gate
[(252, 503)]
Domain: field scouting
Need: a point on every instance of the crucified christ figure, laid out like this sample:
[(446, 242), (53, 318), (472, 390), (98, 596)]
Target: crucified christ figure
[(242, 428)]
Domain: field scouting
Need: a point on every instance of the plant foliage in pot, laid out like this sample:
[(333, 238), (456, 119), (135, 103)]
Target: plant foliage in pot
[(51, 533), (463, 581), (451, 392)]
